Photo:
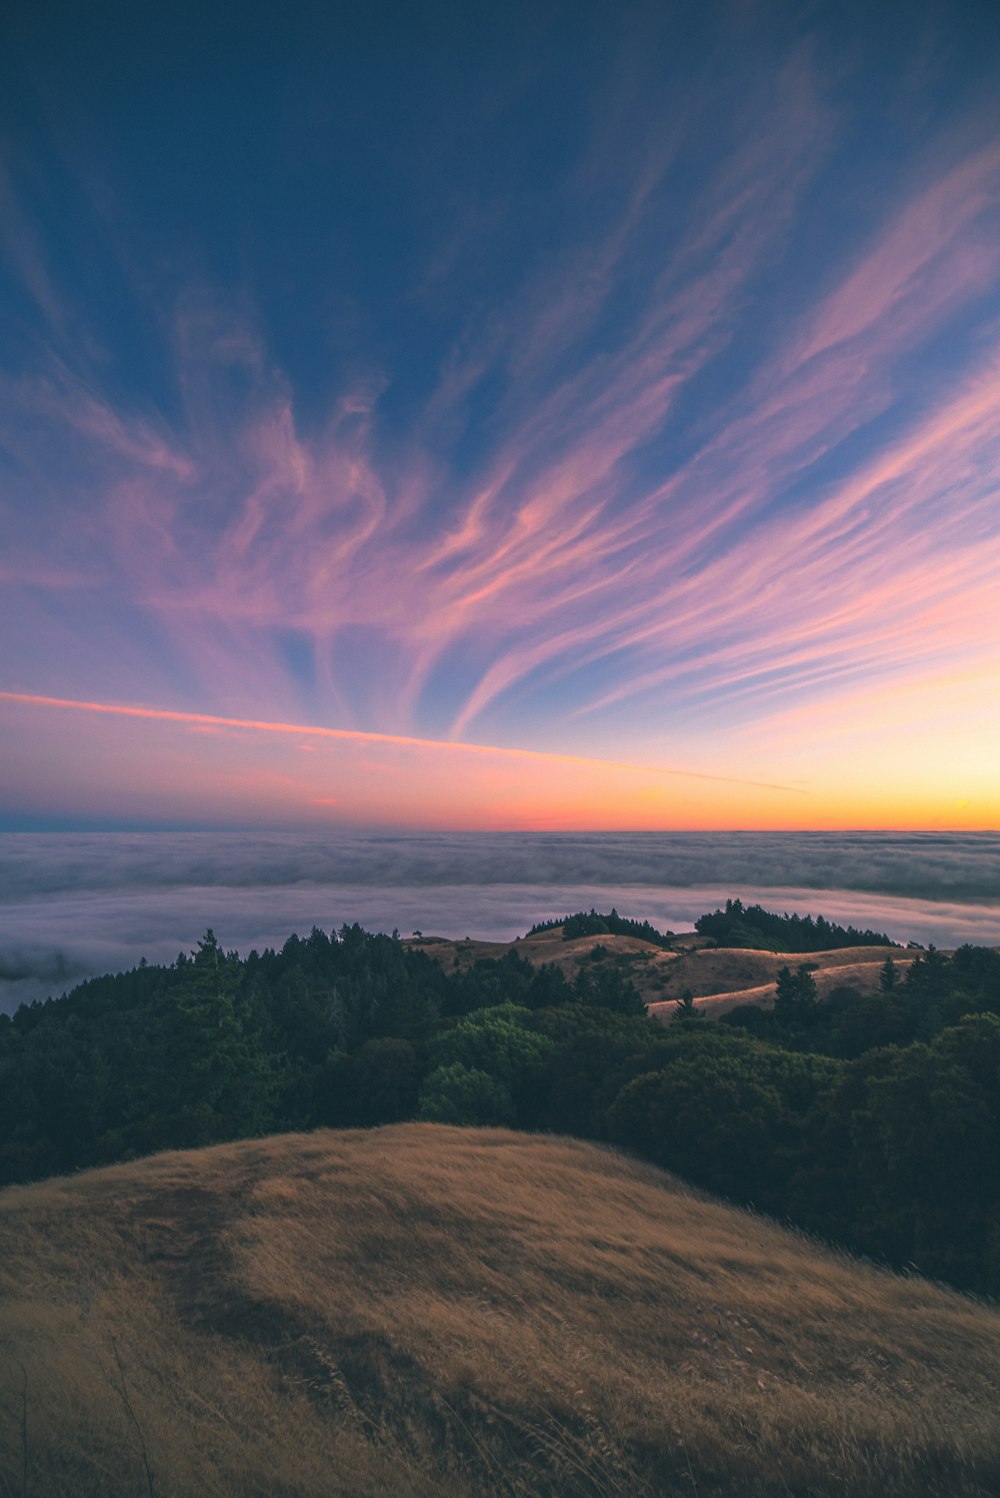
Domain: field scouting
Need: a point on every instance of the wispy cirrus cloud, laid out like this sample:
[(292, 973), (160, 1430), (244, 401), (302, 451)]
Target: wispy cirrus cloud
[(705, 452), (895, 565)]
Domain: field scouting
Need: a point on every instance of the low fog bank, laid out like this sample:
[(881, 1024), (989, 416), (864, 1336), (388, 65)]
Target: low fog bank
[(51, 941), (959, 867)]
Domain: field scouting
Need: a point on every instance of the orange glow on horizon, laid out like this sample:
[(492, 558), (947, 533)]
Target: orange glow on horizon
[(127, 761)]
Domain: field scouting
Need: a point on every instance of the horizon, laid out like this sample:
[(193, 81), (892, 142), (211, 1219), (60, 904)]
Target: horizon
[(75, 904), (575, 419), (31, 826)]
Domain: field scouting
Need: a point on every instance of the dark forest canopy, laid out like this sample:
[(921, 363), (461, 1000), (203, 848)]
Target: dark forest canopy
[(871, 1120), (742, 925), (738, 925), (592, 923)]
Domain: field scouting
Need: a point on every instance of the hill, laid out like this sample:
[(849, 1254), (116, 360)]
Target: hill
[(722, 978), (433, 1311), (742, 925), (719, 978)]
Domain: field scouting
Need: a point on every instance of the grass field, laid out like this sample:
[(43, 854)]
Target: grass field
[(423, 1310), (719, 978)]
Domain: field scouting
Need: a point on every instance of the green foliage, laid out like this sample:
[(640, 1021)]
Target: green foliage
[(460, 1094), (724, 1112), (685, 1008), (594, 1052), (742, 925), (379, 1084), (795, 995), (593, 924), (927, 1137), (497, 1042), (208, 1073), (508, 979), (935, 992), (607, 987), (871, 1119), (888, 977)]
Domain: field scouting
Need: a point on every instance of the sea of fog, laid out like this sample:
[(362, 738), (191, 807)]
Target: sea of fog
[(76, 904)]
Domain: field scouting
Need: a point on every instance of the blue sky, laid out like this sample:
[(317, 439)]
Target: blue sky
[(612, 390)]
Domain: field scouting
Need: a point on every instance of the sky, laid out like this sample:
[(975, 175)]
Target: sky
[(472, 417)]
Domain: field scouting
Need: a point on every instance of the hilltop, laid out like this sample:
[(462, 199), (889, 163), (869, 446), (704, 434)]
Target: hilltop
[(719, 978), (421, 1310)]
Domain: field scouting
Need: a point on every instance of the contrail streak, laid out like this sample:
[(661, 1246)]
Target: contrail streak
[(165, 715)]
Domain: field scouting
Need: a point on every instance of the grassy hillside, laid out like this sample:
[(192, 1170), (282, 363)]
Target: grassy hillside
[(421, 1310), (719, 977)]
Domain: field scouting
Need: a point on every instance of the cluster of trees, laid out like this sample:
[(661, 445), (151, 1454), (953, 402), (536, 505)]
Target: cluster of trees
[(339, 1029), (914, 1004), (870, 1120), (742, 925), (895, 1154), (592, 923)]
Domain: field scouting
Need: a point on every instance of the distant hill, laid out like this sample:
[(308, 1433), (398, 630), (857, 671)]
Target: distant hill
[(742, 925), (427, 1311), (593, 923), (719, 977)]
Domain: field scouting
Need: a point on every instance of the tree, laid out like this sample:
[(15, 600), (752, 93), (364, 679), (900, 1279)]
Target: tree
[(385, 1082), (725, 1112), (927, 1142), (594, 1052), (607, 987), (460, 1094), (212, 1076), (710, 1117), (685, 1007), (795, 996), (888, 977), (497, 1043)]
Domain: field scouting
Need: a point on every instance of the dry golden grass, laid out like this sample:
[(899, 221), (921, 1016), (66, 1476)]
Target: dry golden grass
[(424, 1310), (459, 955), (543, 947), (717, 976), (720, 978), (738, 975)]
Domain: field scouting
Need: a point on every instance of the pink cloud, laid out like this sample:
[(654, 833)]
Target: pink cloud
[(567, 544)]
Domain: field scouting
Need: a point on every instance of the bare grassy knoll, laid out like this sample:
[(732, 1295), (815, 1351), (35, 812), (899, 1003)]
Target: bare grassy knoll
[(723, 978), (648, 966), (422, 1310), (719, 978)]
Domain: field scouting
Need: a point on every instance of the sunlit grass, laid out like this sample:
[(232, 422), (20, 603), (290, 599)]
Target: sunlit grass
[(421, 1310)]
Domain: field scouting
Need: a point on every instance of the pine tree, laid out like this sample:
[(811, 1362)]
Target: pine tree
[(213, 1076)]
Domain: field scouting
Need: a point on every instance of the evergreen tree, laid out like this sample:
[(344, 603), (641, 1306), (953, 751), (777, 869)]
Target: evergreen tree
[(795, 997), (210, 1074)]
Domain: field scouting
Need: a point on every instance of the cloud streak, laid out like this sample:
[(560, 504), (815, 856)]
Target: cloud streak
[(197, 721), (714, 450)]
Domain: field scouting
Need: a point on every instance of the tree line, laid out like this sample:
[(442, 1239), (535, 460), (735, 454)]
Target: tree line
[(871, 1120), (592, 923), (742, 925)]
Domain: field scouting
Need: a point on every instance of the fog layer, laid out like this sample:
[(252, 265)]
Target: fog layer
[(74, 905)]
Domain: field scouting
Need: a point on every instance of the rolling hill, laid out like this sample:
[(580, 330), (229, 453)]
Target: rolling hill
[(420, 1310), (719, 978)]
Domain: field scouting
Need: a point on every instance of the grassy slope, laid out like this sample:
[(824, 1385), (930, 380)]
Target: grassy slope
[(422, 1310), (720, 978)]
